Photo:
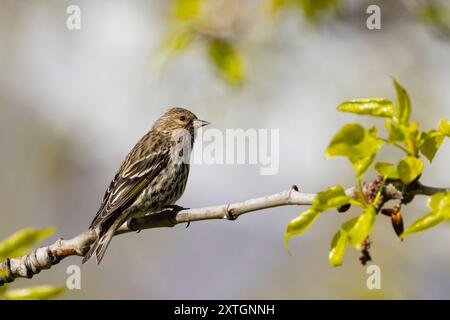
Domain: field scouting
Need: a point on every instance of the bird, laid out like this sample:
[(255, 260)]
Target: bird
[(152, 176)]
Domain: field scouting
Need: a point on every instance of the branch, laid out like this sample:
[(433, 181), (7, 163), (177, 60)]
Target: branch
[(429, 191), (44, 258)]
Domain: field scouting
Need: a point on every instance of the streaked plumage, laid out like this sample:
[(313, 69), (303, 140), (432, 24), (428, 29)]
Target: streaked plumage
[(151, 177)]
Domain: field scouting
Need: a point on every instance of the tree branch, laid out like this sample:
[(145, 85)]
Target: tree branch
[(44, 258), (429, 191)]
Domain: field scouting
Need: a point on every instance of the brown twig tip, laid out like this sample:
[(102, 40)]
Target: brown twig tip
[(365, 257), (344, 208)]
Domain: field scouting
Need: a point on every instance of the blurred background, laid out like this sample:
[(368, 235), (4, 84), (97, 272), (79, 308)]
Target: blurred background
[(73, 102)]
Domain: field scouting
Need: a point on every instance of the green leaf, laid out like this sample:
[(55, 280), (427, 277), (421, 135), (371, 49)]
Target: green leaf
[(331, 197), (409, 169), (20, 242), (444, 127), (337, 248), (345, 140), (440, 205), (300, 224), (3, 273), (414, 138), (430, 144), (403, 104), (362, 164), (379, 107), (439, 201), (396, 132), (361, 228), (387, 169), (427, 221), (354, 142), (227, 60), (354, 231), (43, 292), (357, 144), (372, 131)]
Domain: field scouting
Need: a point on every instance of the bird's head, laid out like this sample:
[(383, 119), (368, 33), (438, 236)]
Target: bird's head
[(179, 118)]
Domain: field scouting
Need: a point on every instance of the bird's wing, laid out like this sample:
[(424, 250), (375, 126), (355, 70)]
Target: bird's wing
[(131, 179)]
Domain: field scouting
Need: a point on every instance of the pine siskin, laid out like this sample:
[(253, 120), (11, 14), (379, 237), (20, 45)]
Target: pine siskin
[(152, 177)]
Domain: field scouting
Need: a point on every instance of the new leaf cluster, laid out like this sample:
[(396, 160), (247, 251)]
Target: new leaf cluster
[(360, 146)]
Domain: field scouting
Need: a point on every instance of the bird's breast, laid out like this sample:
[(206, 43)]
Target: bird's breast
[(165, 189)]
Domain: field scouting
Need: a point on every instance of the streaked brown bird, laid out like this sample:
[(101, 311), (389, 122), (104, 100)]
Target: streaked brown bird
[(152, 177)]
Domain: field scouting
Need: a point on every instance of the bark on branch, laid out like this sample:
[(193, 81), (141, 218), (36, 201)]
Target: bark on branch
[(45, 257)]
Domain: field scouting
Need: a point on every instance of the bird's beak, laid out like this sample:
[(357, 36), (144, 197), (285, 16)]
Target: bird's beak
[(200, 123)]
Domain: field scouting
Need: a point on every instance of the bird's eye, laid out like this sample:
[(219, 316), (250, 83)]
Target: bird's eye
[(183, 118)]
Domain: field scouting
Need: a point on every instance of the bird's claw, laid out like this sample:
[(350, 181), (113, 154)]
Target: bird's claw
[(176, 208)]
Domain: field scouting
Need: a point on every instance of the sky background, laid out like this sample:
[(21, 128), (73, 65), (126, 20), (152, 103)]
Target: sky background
[(73, 103)]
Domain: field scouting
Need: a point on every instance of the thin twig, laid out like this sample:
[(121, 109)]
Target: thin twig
[(421, 189)]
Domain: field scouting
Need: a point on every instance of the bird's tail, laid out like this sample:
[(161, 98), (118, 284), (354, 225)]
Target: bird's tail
[(101, 243)]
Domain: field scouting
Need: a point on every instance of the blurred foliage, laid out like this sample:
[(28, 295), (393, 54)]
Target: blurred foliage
[(207, 22), (221, 26), (313, 10), (43, 292), (360, 146), (21, 241), (187, 10), (177, 42), (16, 245), (226, 59), (435, 14), (195, 21)]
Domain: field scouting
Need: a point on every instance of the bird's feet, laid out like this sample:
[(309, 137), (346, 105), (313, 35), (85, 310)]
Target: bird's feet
[(175, 209)]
